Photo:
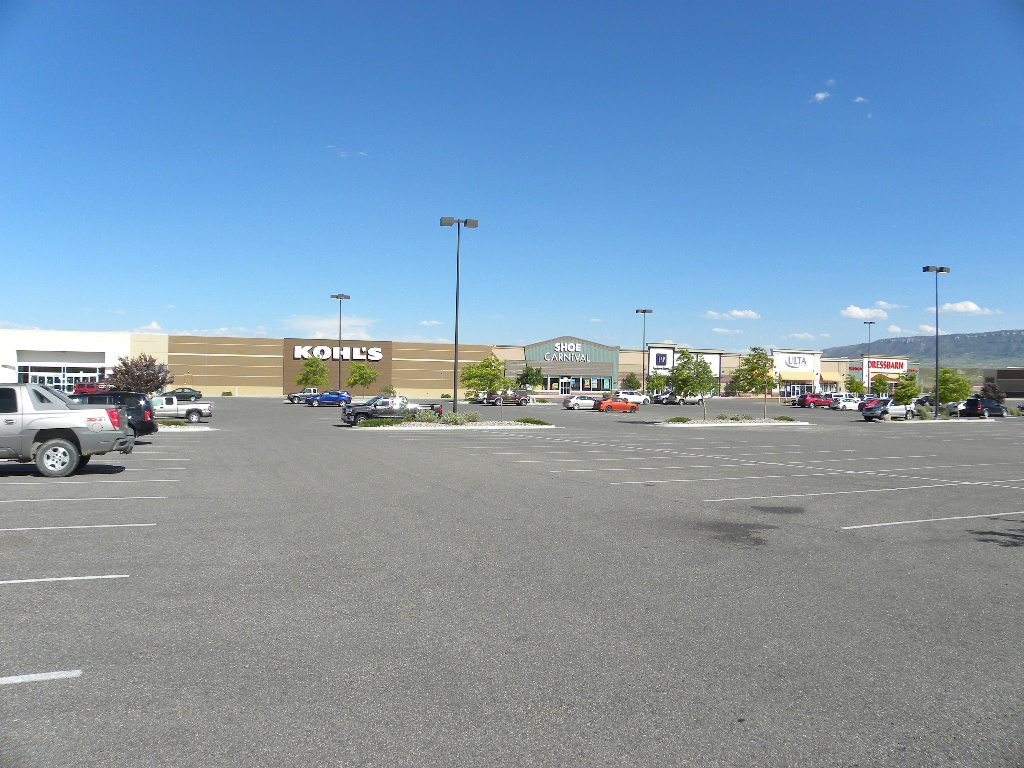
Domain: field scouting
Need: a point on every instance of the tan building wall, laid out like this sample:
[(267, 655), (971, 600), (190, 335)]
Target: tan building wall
[(216, 364), (154, 344)]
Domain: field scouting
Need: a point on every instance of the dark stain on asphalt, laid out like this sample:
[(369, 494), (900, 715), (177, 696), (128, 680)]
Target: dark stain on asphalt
[(741, 534), (1000, 538), (781, 510)]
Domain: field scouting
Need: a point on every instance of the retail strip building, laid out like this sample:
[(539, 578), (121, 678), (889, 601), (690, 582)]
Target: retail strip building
[(264, 366)]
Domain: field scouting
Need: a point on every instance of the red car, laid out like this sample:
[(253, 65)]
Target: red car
[(869, 401), (90, 387), (814, 400), (617, 404)]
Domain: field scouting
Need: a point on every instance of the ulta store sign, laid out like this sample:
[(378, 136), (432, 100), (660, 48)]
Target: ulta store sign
[(567, 352)]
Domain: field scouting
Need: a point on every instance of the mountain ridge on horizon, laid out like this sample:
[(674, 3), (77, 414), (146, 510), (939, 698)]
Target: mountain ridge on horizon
[(988, 349)]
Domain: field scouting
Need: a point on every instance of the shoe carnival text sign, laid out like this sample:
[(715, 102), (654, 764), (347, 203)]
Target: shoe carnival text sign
[(567, 352), (304, 352)]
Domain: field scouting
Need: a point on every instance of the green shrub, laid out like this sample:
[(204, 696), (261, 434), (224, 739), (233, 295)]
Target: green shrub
[(537, 422), (926, 414), (173, 423), (543, 400), (380, 422), (424, 416), (722, 417), (454, 419), (679, 419), (747, 417), (784, 418), (473, 416), (446, 396), (735, 417), (227, 394)]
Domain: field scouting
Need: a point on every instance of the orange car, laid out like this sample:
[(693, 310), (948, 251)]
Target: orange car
[(617, 404)]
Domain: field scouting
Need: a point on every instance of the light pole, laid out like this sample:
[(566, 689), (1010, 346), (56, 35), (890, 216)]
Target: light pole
[(643, 349), (937, 271), (447, 221), (867, 363), (340, 297)]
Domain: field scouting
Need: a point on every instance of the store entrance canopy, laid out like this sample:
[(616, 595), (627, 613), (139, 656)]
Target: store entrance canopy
[(796, 375)]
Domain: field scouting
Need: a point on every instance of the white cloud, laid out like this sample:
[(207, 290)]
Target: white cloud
[(732, 314), (807, 336), (593, 319), (896, 329), (860, 100), (416, 339), (820, 97), (724, 330), (887, 305), (968, 308), (431, 322), (931, 329), (153, 327), (326, 327), (825, 335), (860, 313), (830, 82), (260, 330)]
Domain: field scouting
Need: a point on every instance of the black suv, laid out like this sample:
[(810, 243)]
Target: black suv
[(137, 405), (983, 406)]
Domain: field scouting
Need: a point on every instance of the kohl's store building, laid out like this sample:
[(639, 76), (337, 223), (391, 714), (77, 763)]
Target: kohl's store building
[(270, 366)]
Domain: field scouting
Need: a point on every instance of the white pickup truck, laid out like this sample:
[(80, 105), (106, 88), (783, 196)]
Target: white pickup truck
[(300, 397), (39, 424), (168, 407)]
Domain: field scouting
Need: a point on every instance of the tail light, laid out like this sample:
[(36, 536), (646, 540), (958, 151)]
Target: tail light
[(440, 410), (115, 417), (149, 415)]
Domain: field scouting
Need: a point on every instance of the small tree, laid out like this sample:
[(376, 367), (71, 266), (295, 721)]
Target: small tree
[(953, 386), (313, 373), (692, 376), (907, 389), (880, 384), (756, 374), (657, 382), (141, 373), (854, 385), (991, 389), (530, 377), (486, 376), (361, 375), (630, 381), (388, 389)]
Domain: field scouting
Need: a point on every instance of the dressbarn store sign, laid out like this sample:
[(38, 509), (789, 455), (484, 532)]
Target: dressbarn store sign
[(306, 351), (888, 366)]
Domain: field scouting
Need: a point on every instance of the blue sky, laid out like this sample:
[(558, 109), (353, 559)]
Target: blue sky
[(756, 173)]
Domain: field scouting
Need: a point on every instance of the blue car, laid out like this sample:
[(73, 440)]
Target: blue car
[(330, 397)]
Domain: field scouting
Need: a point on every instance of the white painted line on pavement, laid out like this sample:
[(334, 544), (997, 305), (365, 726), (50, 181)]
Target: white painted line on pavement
[(930, 520), (90, 481), (841, 493), (40, 677), (69, 527), (63, 578), (94, 498)]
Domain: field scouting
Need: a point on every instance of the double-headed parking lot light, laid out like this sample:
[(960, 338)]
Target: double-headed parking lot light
[(447, 221), (643, 350), (340, 297)]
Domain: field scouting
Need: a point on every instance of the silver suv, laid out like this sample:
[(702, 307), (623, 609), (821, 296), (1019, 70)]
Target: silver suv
[(39, 424)]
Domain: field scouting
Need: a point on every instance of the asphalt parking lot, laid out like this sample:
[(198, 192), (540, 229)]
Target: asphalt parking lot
[(282, 590)]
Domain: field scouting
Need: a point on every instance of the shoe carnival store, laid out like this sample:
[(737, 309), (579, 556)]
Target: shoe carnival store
[(569, 364)]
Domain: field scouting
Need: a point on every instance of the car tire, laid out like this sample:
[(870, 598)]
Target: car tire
[(869, 418), (82, 461), (575, 406), (315, 403), (193, 417), (525, 401), (360, 418), (498, 401), (910, 414), (646, 401), (194, 398), (57, 457), (632, 409), (984, 413), (607, 409)]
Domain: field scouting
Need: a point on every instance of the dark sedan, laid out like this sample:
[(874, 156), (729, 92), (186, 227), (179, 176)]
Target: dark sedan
[(184, 393), (137, 406), (984, 407)]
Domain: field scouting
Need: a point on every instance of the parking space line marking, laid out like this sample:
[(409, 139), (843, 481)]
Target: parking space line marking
[(930, 520), (841, 493), (89, 482), (68, 527), (64, 578), (94, 498), (39, 677)]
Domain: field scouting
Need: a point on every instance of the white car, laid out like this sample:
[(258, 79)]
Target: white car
[(845, 403), (580, 402), (632, 396)]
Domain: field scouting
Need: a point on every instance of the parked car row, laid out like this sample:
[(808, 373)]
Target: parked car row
[(607, 404)]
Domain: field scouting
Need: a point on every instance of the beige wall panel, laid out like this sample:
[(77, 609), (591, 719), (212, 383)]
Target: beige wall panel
[(154, 344)]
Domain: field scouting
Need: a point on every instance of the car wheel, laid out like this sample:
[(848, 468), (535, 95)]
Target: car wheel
[(498, 401), (607, 409), (910, 414), (869, 418), (647, 401), (632, 409), (314, 403), (525, 401), (192, 417), (57, 458), (984, 413), (575, 406)]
